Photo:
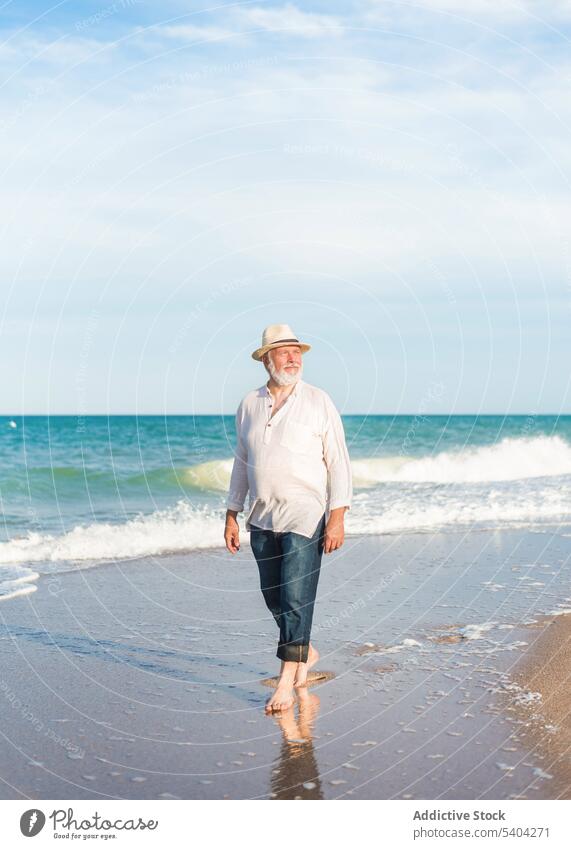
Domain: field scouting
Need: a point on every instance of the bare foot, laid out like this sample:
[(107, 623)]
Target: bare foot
[(283, 698), (303, 668)]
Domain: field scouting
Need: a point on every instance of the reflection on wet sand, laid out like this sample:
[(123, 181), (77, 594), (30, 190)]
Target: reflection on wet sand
[(295, 775)]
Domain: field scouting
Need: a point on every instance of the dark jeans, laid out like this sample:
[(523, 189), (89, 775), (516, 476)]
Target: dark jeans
[(289, 566)]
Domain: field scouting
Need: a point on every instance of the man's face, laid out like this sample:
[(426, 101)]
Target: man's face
[(284, 364)]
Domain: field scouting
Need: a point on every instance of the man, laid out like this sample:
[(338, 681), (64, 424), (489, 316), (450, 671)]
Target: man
[(292, 457)]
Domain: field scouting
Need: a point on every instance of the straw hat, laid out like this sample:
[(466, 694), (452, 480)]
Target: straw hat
[(276, 335)]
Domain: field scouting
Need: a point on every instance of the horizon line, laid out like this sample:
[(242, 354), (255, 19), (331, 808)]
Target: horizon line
[(530, 414)]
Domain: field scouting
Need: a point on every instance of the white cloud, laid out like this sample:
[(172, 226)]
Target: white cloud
[(380, 134), (188, 32), (471, 7), (492, 11), (293, 21), (66, 50)]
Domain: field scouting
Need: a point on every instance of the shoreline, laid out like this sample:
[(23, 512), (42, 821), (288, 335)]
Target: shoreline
[(545, 672), (145, 679)]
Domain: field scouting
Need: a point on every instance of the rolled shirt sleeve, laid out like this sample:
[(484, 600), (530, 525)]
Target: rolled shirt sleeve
[(238, 488), (336, 456)]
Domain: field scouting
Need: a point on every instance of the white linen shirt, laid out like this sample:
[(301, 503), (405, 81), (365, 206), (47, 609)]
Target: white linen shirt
[(295, 465)]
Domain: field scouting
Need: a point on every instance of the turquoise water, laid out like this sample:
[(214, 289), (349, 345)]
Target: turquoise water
[(78, 491)]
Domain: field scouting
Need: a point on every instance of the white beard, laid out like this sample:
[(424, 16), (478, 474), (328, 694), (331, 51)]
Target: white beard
[(283, 378)]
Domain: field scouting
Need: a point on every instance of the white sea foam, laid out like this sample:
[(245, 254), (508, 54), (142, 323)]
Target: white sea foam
[(11, 589), (180, 528), (16, 581), (406, 643), (460, 506), (509, 459), (520, 695), (476, 631)]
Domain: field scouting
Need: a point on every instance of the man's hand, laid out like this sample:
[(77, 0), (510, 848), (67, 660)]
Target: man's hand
[(232, 532), (334, 530)]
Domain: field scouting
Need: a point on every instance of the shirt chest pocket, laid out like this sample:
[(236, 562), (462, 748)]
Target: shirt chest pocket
[(300, 438)]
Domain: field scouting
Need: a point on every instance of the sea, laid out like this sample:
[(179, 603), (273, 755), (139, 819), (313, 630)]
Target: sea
[(76, 492)]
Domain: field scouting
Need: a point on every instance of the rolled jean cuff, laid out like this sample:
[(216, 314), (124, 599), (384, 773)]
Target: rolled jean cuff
[(298, 654)]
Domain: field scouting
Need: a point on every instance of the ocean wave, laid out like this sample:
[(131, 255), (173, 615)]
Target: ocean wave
[(212, 475), (460, 507), (185, 527), (16, 581), (510, 459), (179, 528)]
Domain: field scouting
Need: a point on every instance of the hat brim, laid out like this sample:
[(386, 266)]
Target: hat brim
[(259, 352)]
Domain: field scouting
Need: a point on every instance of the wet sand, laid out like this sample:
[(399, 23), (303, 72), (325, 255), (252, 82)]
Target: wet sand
[(545, 672), (143, 679)]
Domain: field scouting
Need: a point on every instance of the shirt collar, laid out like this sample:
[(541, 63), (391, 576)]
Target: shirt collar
[(293, 393)]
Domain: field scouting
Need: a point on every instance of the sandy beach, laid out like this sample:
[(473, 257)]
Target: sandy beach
[(143, 678)]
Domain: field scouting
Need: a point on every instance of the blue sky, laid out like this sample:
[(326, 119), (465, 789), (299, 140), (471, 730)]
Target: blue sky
[(391, 179)]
